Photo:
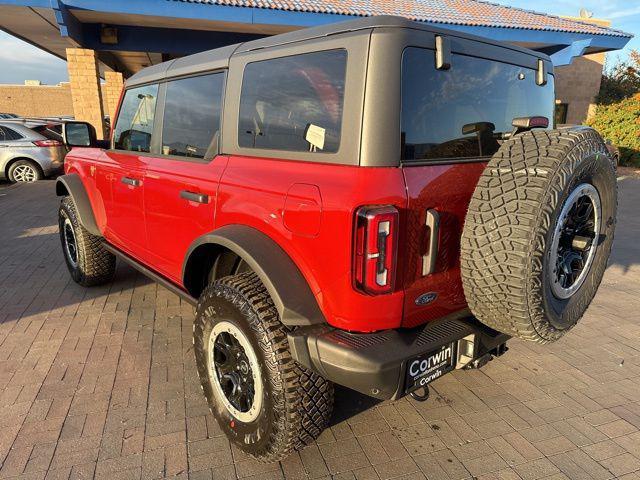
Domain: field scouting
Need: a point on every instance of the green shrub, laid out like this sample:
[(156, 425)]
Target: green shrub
[(620, 123)]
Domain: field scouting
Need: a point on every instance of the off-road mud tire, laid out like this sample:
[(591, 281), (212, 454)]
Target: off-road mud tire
[(95, 265), (508, 231), (297, 403)]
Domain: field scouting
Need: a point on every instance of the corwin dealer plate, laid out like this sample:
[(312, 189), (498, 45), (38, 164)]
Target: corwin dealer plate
[(425, 368)]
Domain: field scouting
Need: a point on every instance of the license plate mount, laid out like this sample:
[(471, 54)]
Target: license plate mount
[(423, 369)]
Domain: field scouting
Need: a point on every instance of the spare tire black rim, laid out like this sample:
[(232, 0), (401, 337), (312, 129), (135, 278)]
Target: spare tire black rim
[(575, 241), (234, 371)]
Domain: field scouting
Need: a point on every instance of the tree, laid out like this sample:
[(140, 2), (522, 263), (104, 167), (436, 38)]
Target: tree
[(620, 81)]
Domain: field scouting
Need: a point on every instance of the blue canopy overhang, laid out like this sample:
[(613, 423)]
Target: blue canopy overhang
[(131, 34)]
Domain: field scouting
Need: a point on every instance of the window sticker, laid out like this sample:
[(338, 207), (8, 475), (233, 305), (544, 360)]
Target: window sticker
[(315, 136)]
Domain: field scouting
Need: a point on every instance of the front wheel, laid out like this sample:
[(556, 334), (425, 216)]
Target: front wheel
[(265, 402), (87, 260)]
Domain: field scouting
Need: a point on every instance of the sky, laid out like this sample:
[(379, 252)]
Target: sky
[(20, 61)]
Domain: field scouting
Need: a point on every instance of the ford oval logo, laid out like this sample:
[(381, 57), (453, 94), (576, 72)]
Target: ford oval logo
[(426, 298)]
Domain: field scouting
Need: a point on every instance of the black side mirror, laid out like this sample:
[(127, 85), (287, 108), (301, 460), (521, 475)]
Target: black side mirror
[(79, 134)]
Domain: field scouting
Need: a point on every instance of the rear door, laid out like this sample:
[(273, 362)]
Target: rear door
[(452, 122), (121, 170), (181, 182)]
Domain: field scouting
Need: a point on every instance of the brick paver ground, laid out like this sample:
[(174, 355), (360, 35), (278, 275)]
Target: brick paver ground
[(101, 383)]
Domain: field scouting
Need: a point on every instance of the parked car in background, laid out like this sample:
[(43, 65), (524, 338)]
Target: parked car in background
[(4, 116), (30, 153)]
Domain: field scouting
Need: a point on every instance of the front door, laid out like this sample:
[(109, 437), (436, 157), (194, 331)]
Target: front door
[(123, 174), (123, 171)]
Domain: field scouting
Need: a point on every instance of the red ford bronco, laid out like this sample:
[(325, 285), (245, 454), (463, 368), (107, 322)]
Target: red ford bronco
[(373, 203)]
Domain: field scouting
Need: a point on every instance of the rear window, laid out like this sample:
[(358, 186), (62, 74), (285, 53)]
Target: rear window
[(52, 132), (135, 121), (191, 122), (294, 103), (463, 112)]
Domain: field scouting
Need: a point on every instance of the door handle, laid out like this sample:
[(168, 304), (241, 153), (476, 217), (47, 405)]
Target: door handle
[(130, 181), (194, 197), (429, 258)]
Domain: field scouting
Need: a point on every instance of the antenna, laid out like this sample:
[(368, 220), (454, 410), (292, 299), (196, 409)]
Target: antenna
[(584, 13)]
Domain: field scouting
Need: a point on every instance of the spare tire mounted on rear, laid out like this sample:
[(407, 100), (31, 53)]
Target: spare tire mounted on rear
[(538, 232)]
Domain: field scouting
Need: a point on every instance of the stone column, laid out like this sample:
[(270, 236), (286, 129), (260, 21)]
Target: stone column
[(85, 87), (111, 92)]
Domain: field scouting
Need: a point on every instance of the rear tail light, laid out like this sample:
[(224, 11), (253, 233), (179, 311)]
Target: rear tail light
[(375, 249), (47, 143)]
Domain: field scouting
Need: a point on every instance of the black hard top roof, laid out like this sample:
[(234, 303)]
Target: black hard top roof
[(219, 57)]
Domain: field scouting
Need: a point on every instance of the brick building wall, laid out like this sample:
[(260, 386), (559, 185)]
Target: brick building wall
[(578, 84), (111, 92), (54, 100), (36, 101), (86, 93)]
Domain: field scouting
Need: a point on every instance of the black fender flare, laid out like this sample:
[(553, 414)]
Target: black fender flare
[(291, 294), (71, 185)]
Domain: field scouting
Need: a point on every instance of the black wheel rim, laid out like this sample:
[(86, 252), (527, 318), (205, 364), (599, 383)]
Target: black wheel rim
[(233, 371), (575, 241), (70, 243)]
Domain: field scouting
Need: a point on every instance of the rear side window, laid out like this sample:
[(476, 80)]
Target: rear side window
[(191, 122), (463, 112), (135, 122), (7, 133), (294, 103), (52, 132)]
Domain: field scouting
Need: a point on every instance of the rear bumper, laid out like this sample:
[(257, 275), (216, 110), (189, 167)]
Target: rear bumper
[(375, 364), (52, 160)]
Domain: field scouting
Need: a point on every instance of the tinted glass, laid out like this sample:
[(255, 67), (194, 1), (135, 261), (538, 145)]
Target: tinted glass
[(294, 103), (135, 121), (463, 112), (191, 122), (7, 133), (52, 132)]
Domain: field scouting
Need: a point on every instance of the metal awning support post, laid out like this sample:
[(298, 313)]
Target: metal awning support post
[(565, 55)]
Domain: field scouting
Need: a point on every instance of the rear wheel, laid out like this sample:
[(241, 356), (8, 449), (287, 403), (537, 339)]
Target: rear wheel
[(539, 231), (25, 171), (263, 400)]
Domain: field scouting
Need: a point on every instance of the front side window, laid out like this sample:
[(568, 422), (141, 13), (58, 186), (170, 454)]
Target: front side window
[(464, 112), (191, 122), (294, 103), (135, 122)]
